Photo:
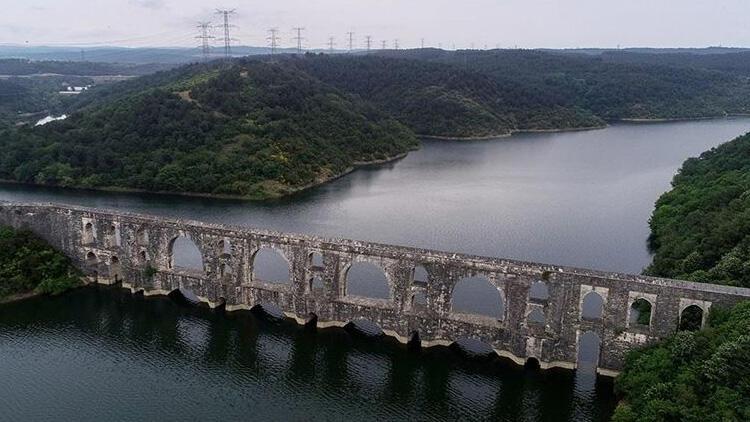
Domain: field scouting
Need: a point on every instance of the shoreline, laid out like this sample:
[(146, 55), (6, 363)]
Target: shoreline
[(18, 297), (292, 191), (510, 134)]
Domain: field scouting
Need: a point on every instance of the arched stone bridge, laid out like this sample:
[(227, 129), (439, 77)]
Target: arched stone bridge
[(137, 250)]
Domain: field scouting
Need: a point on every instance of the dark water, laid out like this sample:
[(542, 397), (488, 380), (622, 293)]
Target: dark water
[(100, 354), (572, 198)]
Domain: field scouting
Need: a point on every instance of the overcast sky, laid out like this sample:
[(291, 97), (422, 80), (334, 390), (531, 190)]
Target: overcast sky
[(503, 23)]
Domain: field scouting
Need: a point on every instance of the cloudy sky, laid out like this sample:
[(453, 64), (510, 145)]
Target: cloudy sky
[(446, 23)]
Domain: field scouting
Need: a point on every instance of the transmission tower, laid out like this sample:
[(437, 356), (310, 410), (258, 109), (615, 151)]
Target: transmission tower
[(227, 39), (299, 38), (368, 42), (331, 44), (351, 40), (422, 43), (205, 36), (383, 45), (395, 44), (273, 39)]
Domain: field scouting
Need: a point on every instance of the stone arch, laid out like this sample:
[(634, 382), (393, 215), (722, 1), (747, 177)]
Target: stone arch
[(315, 260), (589, 349), (536, 316), (225, 270), (271, 266), (115, 268), (91, 258), (224, 247), (419, 298), (592, 306), (315, 284), (477, 295), (88, 232), (420, 275), (185, 254), (641, 311), (532, 363), (539, 291), (143, 256), (141, 236), (691, 318), (112, 238), (365, 279)]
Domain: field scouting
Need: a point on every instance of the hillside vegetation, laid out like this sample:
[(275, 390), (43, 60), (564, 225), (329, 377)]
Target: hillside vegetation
[(693, 376), (700, 230), (29, 264), (611, 86), (250, 129)]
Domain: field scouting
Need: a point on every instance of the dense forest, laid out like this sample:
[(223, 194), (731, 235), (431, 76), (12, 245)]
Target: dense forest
[(445, 100), (675, 87), (693, 376), (247, 128), (29, 264), (700, 230), (24, 67)]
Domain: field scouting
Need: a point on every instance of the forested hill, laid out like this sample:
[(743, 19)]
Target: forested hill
[(246, 128), (700, 230), (440, 99), (612, 86)]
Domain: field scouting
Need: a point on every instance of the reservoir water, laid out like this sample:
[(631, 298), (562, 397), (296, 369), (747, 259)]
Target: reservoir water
[(576, 198)]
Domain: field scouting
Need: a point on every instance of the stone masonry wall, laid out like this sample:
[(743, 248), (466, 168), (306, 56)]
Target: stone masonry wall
[(137, 251)]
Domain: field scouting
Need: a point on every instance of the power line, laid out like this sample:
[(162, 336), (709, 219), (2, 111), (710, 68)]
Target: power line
[(299, 38), (227, 39), (368, 41), (351, 40), (273, 39), (331, 44), (204, 36)]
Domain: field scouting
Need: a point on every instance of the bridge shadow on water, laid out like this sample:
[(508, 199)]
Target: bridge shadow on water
[(143, 358)]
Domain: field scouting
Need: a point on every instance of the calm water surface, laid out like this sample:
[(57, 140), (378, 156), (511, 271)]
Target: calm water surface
[(579, 198)]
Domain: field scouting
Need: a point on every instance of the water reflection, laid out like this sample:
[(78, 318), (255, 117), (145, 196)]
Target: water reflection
[(147, 358)]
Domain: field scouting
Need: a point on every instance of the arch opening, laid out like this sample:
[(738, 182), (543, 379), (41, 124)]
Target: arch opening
[(365, 327), (224, 247), (589, 349), (91, 258), (420, 276), (536, 316), (691, 318), (532, 363), (88, 233), (115, 268), (185, 255), (315, 260), (539, 291), (225, 270), (316, 284), (143, 256), (141, 236), (419, 299), (592, 306), (270, 266), (473, 347), (476, 295), (640, 312), (365, 279)]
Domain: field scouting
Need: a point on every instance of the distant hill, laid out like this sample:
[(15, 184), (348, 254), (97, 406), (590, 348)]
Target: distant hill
[(612, 86), (247, 128), (445, 100)]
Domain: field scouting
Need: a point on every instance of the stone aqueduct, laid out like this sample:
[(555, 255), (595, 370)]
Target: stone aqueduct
[(137, 250)]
